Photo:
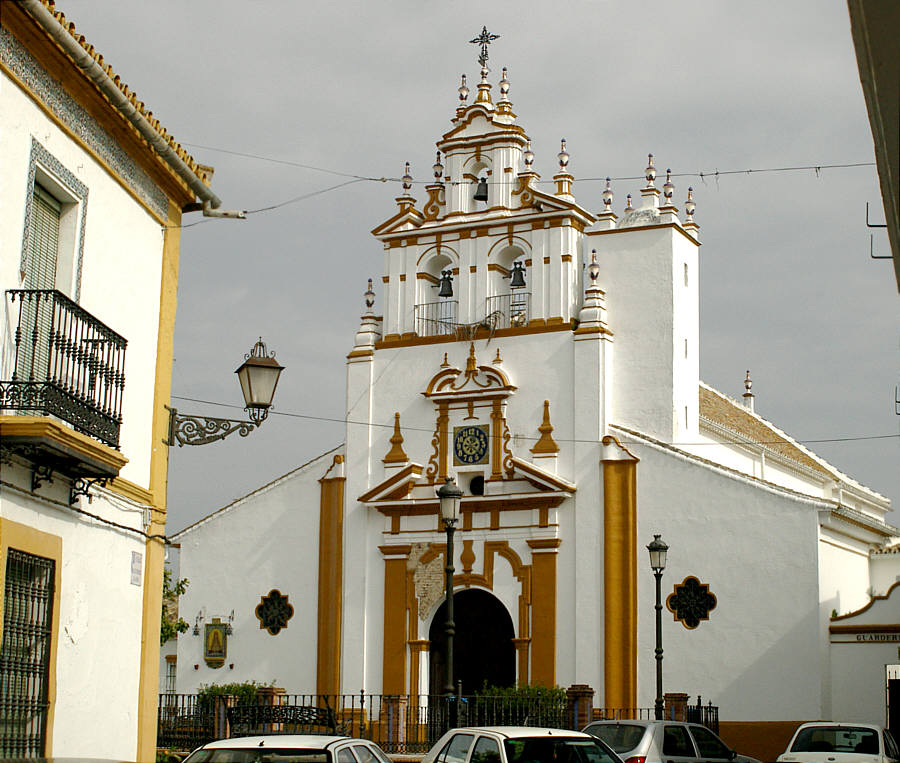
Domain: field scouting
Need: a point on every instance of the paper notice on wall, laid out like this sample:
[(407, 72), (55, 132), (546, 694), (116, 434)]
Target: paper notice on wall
[(136, 563)]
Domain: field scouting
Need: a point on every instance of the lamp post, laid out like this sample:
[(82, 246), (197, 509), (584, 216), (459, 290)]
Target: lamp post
[(258, 375), (657, 549), (449, 496)]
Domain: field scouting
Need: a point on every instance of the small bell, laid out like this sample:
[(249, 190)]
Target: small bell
[(517, 277), (481, 192), (446, 284)]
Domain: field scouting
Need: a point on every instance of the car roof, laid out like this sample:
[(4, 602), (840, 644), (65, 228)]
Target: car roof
[(306, 741), (641, 722), (832, 724), (513, 732)]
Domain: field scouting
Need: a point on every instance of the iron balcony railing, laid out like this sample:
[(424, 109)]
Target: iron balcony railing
[(511, 310), (63, 362), (436, 318)]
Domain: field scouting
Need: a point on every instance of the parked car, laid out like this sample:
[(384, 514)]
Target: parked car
[(840, 743), (518, 744), (664, 742), (289, 748)]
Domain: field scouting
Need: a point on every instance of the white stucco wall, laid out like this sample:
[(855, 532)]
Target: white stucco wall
[(756, 548), (98, 632), (269, 539), (121, 272), (843, 572), (885, 571)]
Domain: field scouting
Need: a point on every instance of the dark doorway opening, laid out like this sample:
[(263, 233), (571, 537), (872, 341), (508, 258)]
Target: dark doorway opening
[(483, 649), (893, 692)]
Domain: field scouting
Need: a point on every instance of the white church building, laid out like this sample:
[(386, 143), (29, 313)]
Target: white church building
[(547, 359)]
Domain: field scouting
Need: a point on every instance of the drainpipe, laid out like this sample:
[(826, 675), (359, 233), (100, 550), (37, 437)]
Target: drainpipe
[(101, 79)]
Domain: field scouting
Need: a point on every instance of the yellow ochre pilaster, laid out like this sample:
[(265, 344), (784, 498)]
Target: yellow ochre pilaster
[(544, 552), (331, 565), (393, 675), (154, 547), (619, 574)]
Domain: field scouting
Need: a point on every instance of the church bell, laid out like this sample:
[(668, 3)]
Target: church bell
[(517, 277), (481, 190), (446, 284)]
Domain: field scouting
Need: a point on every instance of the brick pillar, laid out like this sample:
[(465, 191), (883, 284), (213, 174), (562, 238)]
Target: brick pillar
[(580, 705), (675, 706), (269, 696)]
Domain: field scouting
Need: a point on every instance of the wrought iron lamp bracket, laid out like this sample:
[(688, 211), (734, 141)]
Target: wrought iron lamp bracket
[(40, 474), (201, 430)]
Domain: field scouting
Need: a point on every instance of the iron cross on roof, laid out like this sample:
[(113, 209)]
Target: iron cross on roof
[(484, 39)]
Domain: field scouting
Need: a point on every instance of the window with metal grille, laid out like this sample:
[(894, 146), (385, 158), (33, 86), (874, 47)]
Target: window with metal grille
[(25, 654), (171, 668)]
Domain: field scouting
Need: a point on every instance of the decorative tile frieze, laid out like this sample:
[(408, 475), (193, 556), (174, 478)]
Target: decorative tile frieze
[(53, 95)]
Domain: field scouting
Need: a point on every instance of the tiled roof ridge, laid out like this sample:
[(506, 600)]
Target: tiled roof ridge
[(790, 441), (201, 171)]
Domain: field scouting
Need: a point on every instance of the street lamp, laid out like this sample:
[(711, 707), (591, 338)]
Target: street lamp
[(258, 375), (449, 496), (657, 549)]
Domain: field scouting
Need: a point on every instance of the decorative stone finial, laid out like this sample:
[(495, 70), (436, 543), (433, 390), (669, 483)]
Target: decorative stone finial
[(484, 87), (504, 87), (594, 268), (471, 363), (463, 91), (528, 156), (497, 359), (546, 445), (628, 207), (446, 363), (668, 187), (396, 455), (690, 206), (748, 395), (650, 172), (370, 297), (407, 180), (607, 196), (438, 168), (563, 156)]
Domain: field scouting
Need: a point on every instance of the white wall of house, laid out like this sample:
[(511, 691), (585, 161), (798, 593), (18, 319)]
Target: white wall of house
[(122, 257), (885, 569), (100, 615)]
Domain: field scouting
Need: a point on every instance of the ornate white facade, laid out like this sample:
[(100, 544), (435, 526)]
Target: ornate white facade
[(547, 359)]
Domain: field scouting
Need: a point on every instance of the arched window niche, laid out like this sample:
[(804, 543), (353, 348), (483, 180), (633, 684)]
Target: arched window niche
[(474, 169), (509, 295), (436, 315)]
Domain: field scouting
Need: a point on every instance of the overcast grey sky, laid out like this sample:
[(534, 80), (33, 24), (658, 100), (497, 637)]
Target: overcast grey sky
[(787, 286)]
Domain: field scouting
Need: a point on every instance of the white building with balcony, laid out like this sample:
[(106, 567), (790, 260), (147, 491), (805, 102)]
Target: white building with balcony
[(547, 359), (90, 216)]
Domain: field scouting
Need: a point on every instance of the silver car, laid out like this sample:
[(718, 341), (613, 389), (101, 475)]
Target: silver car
[(518, 744), (289, 748), (664, 742)]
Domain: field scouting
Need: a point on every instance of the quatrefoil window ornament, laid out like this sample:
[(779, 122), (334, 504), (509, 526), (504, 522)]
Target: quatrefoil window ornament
[(691, 602), (274, 611)]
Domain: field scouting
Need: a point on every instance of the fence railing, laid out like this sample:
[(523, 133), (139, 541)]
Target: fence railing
[(436, 318), (513, 310), (397, 723), (63, 362)]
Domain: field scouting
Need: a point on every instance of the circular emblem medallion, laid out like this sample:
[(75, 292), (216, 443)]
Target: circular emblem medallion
[(470, 445)]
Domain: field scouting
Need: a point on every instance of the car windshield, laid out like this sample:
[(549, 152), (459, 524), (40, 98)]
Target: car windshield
[(556, 750), (836, 739), (258, 755), (622, 737)]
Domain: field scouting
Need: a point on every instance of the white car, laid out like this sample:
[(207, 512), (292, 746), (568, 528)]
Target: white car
[(825, 742), (518, 744), (664, 742), (289, 748)]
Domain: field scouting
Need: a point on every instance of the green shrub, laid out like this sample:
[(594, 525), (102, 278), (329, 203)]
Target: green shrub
[(244, 693)]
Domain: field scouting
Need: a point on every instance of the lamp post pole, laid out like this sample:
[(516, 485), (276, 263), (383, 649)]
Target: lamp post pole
[(449, 625), (658, 549), (659, 648), (449, 497)]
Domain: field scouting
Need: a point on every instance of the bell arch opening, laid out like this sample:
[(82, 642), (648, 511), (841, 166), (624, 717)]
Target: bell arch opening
[(483, 648)]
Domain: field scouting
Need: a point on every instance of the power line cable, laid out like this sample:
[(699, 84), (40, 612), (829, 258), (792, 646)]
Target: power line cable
[(526, 437)]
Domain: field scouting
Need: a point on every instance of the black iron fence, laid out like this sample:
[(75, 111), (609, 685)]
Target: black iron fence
[(513, 310), (64, 363), (397, 723)]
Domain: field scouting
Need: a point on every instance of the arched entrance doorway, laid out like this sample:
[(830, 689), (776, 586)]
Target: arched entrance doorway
[(483, 649)]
